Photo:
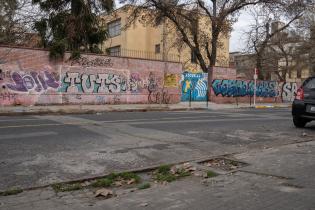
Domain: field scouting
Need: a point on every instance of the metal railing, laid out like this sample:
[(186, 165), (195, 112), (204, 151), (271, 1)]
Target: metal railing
[(144, 55)]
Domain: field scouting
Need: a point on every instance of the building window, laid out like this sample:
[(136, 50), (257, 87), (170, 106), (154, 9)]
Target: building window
[(113, 51), (157, 48), (193, 57), (114, 28)]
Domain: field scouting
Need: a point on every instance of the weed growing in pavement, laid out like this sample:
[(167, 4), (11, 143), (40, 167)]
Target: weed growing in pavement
[(109, 180), (144, 186), (165, 173), (13, 191), (103, 182), (211, 174), (66, 187)]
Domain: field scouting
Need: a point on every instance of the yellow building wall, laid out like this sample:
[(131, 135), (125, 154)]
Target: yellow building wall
[(139, 40)]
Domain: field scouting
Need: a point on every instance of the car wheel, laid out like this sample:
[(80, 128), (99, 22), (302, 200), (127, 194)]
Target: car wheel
[(299, 122)]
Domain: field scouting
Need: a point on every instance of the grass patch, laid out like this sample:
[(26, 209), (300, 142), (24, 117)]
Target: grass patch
[(13, 191), (65, 187), (113, 177), (103, 182), (128, 176), (144, 186), (107, 181), (164, 169), (182, 173), (165, 177), (164, 173), (211, 174)]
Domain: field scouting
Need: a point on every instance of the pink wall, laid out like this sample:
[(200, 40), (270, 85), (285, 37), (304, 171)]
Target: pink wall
[(28, 77)]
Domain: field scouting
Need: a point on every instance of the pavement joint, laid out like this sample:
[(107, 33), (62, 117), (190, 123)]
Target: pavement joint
[(265, 174)]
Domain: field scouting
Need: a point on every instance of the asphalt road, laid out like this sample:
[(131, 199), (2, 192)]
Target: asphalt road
[(38, 150)]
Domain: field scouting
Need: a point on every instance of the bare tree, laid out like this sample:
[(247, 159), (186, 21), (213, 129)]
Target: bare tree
[(261, 33), (16, 20), (219, 15)]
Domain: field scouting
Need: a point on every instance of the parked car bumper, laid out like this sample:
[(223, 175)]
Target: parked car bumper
[(299, 109)]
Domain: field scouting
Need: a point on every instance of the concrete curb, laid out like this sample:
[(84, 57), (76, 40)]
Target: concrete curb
[(272, 106), (85, 111), (42, 110)]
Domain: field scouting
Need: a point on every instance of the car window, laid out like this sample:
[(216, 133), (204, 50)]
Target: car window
[(310, 83)]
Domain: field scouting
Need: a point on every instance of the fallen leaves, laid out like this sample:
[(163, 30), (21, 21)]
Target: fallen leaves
[(224, 164), (104, 193), (131, 181)]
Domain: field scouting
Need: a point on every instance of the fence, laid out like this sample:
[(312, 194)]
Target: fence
[(144, 55)]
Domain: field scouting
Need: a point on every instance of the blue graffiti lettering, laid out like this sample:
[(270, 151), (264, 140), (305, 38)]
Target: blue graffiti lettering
[(239, 88)]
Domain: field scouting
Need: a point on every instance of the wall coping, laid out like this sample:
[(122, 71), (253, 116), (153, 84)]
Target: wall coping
[(83, 53)]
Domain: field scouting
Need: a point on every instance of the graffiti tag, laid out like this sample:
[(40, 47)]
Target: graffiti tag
[(240, 88), (75, 82), (38, 81), (8, 96), (85, 62)]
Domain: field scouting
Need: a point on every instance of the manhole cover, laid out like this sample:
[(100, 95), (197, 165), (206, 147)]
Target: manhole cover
[(224, 164)]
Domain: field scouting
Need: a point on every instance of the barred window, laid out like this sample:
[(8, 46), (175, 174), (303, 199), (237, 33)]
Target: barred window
[(114, 51), (114, 28)]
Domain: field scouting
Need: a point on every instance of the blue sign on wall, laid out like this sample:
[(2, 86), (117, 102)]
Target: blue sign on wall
[(195, 85)]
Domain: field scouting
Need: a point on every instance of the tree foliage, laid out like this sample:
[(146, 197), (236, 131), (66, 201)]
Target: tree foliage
[(72, 25)]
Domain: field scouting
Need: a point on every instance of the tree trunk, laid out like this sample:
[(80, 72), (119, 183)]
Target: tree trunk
[(214, 43)]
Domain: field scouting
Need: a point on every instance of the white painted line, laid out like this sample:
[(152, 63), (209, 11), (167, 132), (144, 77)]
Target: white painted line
[(209, 120)]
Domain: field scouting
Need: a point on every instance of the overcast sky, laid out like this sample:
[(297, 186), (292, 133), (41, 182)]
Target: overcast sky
[(237, 41)]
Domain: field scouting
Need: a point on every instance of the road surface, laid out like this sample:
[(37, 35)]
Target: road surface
[(39, 150)]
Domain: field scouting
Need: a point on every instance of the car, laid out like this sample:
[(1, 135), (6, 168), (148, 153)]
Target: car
[(303, 107)]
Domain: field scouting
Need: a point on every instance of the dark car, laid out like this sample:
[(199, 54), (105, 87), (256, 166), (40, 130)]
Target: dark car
[(303, 108)]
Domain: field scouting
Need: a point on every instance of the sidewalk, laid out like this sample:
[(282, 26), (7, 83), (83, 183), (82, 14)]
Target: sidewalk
[(89, 109), (267, 182)]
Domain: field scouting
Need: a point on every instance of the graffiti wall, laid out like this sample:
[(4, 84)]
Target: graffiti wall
[(288, 90), (227, 89), (194, 86), (240, 88), (27, 77)]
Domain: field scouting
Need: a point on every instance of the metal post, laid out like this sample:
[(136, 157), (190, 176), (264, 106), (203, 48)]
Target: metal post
[(255, 85), (207, 99), (210, 71), (190, 98)]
